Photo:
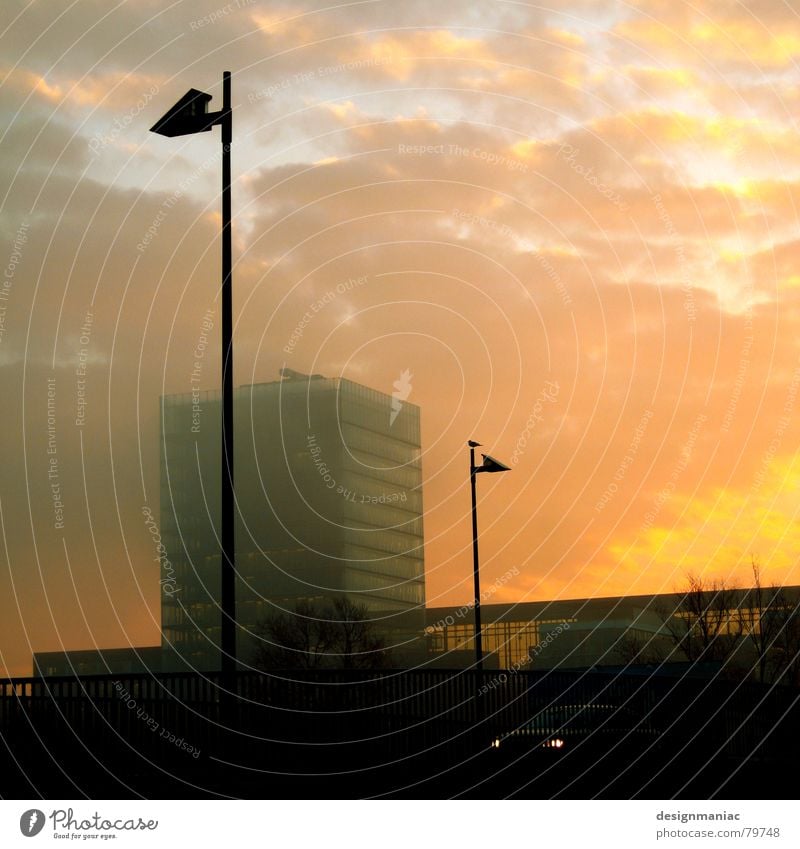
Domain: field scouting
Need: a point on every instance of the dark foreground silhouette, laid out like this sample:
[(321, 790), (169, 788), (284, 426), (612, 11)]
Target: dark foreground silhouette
[(412, 734)]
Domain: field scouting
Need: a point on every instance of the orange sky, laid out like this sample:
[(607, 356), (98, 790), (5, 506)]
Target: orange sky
[(578, 229)]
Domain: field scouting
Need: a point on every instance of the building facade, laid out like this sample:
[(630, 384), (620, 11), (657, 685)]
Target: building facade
[(122, 661), (328, 483), (752, 632)]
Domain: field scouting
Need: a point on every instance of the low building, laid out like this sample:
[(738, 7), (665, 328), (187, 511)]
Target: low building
[(661, 629), (538, 635), (127, 661)]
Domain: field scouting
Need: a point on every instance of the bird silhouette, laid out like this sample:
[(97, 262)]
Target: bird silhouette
[(473, 444)]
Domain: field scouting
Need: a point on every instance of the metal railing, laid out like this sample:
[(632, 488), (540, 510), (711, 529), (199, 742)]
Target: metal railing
[(317, 720)]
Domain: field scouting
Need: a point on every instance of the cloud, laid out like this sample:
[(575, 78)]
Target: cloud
[(716, 35), (499, 199)]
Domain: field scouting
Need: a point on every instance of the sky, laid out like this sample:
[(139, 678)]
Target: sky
[(574, 224)]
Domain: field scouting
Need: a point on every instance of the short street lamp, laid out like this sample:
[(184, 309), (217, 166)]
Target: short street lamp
[(489, 465)]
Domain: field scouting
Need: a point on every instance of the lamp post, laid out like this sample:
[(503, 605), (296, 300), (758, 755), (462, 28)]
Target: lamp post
[(489, 465), (190, 115)]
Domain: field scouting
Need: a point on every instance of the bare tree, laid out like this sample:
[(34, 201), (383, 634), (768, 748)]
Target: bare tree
[(771, 621), (762, 618), (361, 647), (338, 634), (633, 649), (706, 625), (786, 647), (715, 622)]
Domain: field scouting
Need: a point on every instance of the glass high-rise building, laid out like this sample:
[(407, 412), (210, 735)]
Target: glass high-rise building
[(328, 485)]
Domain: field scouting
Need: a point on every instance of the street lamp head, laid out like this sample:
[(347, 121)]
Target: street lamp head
[(492, 465), (189, 115)]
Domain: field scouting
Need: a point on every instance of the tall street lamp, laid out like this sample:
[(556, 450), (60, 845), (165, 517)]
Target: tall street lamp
[(489, 465), (190, 115)]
